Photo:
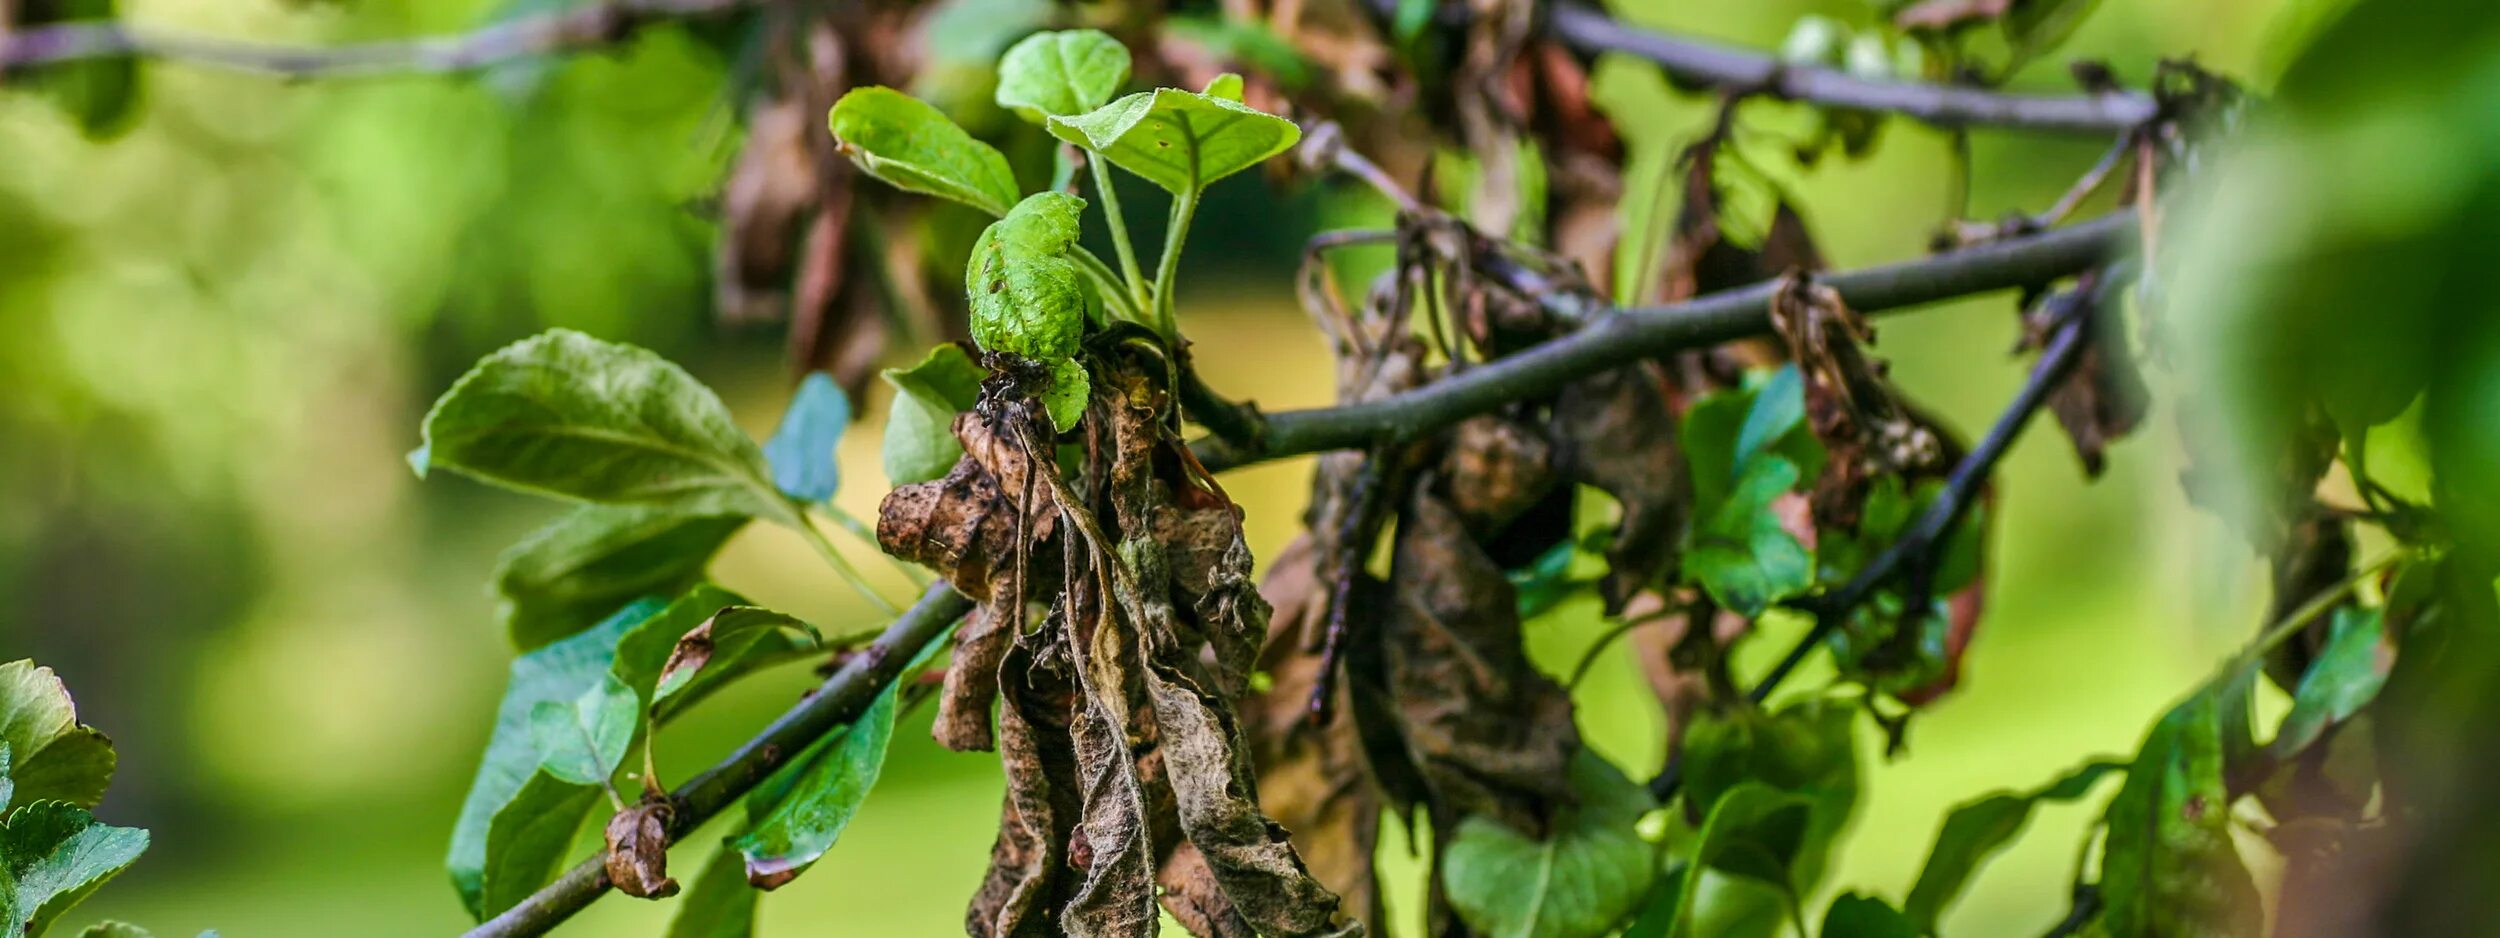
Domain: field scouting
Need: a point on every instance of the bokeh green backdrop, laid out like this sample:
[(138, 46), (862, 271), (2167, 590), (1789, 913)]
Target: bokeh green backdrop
[(218, 331)]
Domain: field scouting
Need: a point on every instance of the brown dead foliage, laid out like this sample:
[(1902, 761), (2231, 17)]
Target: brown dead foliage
[(637, 857), (1868, 430)]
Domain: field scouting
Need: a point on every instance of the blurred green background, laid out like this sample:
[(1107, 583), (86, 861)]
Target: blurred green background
[(218, 332)]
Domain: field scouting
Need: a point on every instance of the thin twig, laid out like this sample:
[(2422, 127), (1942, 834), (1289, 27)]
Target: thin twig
[(596, 24)]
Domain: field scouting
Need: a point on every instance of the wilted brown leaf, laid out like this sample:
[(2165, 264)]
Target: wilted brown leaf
[(963, 717), (1617, 435), (2104, 397), (637, 857), (1311, 778), (964, 526), (1867, 430)]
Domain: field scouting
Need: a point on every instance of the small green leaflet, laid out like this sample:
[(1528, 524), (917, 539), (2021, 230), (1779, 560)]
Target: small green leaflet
[(801, 450), (1584, 878), (1030, 299), (51, 756), (525, 841), (1179, 140), (1975, 831), (1855, 916), (54, 854), (1061, 73), (916, 148), (2345, 677), (720, 904), (2168, 866), (583, 740), (589, 563), (809, 810), (920, 442), (567, 415)]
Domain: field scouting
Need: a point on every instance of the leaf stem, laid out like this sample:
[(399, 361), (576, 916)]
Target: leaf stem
[(1118, 222), (1184, 207), (1114, 294), (841, 565)]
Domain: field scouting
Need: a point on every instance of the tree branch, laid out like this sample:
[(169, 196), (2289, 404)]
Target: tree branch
[(1590, 31), (591, 25), (1615, 338), (837, 702)]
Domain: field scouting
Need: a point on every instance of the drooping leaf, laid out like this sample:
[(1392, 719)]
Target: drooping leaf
[(589, 563), (1061, 73), (1181, 141), (583, 740), (920, 442), (801, 450), (2168, 865), (54, 855), (567, 415), (916, 148), (527, 840), (51, 756), (732, 639), (807, 817), (1855, 916), (1976, 831), (2345, 677), (720, 904), (1587, 875)]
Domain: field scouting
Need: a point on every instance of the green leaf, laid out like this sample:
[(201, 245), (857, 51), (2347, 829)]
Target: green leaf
[(801, 450), (734, 640), (1027, 297), (920, 442), (1808, 749), (1546, 581), (51, 756), (1779, 408), (1975, 831), (55, 854), (2036, 27), (720, 904), (2168, 865), (1742, 554), (2345, 677), (583, 740), (1061, 73), (809, 808), (1753, 831), (589, 563), (916, 148), (8, 783), (1855, 916), (1588, 874), (571, 416), (528, 838), (114, 930), (1070, 389), (1179, 140)]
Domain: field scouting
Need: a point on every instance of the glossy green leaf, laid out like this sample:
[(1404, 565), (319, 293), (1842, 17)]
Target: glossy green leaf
[(809, 808), (1741, 553), (2168, 865), (583, 740), (720, 904), (528, 839), (1061, 73), (2345, 677), (1753, 830), (51, 756), (1975, 832), (1586, 876), (54, 854), (1855, 916), (734, 640), (1181, 141), (571, 416), (916, 148), (589, 563), (920, 442), (800, 452)]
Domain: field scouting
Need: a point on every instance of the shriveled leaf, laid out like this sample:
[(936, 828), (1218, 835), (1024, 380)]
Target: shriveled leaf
[(1855, 916), (981, 640), (966, 526), (51, 756), (55, 854), (801, 450), (720, 904), (2345, 677), (1312, 779), (583, 740), (920, 440), (733, 639), (916, 148), (1975, 831), (527, 840), (1027, 296), (804, 821), (2168, 865), (637, 857), (567, 576), (1179, 140), (1616, 433), (567, 415), (1061, 73), (1585, 876)]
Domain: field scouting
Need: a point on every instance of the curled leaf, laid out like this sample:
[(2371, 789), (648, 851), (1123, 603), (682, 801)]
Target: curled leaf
[(637, 857)]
